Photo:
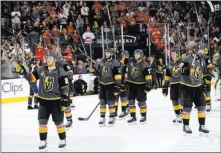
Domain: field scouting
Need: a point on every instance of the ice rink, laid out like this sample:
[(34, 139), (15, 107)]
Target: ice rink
[(20, 130)]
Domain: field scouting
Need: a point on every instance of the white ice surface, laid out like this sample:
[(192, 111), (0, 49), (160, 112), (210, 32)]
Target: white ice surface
[(20, 130)]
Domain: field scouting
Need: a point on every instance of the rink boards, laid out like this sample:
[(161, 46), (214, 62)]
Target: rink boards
[(17, 90)]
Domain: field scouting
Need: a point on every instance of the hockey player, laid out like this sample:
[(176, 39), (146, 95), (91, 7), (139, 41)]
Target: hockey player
[(139, 81), (65, 65), (173, 79), (34, 64), (109, 78), (207, 79), (192, 68), (52, 96), (122, 94)]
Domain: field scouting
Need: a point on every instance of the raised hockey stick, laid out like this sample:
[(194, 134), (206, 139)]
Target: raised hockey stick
[(87, 118)]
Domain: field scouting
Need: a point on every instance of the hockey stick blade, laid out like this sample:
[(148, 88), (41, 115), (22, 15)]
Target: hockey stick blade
[(85, 119), (82, 119)]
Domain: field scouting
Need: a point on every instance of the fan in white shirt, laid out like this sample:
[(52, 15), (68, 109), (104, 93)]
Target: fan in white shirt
[(85, 10)]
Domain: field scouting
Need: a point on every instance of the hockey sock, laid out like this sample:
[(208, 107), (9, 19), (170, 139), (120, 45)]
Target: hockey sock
[(176, 109), (111, 110), (143, 110), (124, 105), (201, 118), (61, 132), (208, 100), (102, 110), (43, 131), (186, 118), (132, 110), (29, 100), (68, 114)]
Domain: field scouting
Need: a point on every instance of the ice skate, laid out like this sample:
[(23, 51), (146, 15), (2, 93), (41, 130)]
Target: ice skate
[(178, 119), (132, 120), (187, 130), (203, 131), (102, 122), (36, 107), (62, 144), (143, 119), (111, 121), (68, 124), (208, 107), (124, 114), (43, 146), (30, 107)]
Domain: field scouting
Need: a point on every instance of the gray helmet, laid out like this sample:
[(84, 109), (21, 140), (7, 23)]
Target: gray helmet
[(139, 51), (110, 50)]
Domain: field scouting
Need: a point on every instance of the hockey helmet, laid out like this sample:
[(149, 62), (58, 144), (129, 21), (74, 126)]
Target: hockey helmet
[(139, 51), (110, 50)]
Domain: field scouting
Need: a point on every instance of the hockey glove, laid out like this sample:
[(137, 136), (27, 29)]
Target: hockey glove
[(185, 69), (20, 69), (116, 90), (64, 102), (123, 87), (165, 92), (147, 87)]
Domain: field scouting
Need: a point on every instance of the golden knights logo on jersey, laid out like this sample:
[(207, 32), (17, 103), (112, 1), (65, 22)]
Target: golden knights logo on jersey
[(134, 72), (48, 83), (198, 73), (105, 71)]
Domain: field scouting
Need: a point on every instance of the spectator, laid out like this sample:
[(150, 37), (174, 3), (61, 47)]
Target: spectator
[(84, 10), (55, 34), (75, 37), (80, 24), (80, 86), (70, 29), (81, 68), (35, 14), (63, 19), (16, 22), (96, 28), (40, 52), (5, 17), (66, 8), (34, 38), (88, 37)]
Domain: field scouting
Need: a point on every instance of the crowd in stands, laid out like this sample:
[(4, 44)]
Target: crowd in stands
[(31, 28)]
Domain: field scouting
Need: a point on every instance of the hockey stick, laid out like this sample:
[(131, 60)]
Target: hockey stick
[(87, 118)]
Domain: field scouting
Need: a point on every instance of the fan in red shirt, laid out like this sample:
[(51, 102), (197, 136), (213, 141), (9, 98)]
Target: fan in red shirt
[(68, 53), (40, 52)]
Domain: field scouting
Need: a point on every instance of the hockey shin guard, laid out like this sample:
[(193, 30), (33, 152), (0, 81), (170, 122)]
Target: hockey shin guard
[(124, 103), (111, 108), (61, 131), (176, 107), (102, 108), (143, 108), (68, 113), (43, 131), (132, 108)]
